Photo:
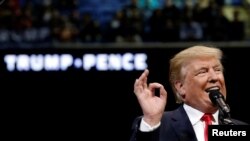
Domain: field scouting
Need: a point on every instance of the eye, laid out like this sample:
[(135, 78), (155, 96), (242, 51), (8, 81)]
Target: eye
[(218, 69), (201, 72)]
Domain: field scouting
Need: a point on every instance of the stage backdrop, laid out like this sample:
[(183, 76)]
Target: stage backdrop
[(75, 93)]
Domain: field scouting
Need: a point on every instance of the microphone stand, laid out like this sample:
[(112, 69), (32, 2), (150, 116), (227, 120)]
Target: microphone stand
[(228, 121), (226, 118)]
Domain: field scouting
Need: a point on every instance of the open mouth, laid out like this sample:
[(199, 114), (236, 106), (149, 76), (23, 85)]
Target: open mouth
[(215, 88)]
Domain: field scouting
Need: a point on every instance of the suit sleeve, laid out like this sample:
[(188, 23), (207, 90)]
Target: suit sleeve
[(137, 135)]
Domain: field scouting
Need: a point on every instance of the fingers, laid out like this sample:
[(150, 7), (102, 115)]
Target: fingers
[(154, 86), (141, 82), (163, 92), (137, 87), (143, 78)]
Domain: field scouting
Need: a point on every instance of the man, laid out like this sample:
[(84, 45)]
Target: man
[(193, 73)]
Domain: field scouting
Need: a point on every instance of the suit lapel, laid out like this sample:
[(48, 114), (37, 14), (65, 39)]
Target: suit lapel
[(182, 125)]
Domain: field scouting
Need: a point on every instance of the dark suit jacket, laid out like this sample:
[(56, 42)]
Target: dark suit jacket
[(175, 126)]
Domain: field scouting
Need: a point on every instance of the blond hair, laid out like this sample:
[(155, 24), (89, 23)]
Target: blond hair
[(183, 57)]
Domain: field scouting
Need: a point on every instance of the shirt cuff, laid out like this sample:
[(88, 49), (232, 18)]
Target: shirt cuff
[(145, 127)]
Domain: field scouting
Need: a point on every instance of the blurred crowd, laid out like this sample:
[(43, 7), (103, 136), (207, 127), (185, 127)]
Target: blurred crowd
[(39, 21)]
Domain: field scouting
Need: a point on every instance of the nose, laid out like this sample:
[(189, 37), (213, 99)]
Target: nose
[(213, 76)]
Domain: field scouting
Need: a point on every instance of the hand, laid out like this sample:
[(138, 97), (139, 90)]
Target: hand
[(152, 106)]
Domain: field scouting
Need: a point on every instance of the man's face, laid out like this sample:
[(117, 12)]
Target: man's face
[(201, 75)]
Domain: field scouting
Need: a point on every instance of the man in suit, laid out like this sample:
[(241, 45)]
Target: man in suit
[(193, 73)]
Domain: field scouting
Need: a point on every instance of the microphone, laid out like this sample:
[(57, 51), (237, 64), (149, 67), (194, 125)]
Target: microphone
[(218, 99)]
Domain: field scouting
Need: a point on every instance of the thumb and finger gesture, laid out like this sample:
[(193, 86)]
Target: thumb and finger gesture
[(152, 105)]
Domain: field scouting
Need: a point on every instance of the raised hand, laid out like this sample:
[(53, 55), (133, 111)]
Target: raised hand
[(152, 106)]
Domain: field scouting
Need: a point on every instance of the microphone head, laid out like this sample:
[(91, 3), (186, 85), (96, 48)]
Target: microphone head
[(215, 94)]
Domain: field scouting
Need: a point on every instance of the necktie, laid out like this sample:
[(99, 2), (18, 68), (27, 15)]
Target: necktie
[(207, 118)]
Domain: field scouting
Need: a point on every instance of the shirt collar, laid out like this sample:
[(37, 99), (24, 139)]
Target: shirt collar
[(195, 115)]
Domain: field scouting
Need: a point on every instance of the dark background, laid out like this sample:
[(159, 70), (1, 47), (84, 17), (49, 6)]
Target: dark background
[(80, 104)]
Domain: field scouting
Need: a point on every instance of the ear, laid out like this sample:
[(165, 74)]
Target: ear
[(180, 88)]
